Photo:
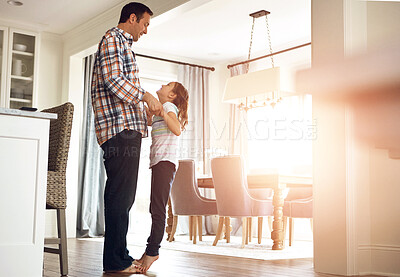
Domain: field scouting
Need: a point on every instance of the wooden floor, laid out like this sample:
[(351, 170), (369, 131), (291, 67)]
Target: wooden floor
[(85, 260)]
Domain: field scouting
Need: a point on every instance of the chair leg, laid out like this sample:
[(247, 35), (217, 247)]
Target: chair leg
[(62, 235), (228, 229), (223, 233), (190, 228), (219, 230), (290, 230), (200, 227), (244, 231), (174, 224), (194, 230), (247, 231), (250, 224), (260, 223)]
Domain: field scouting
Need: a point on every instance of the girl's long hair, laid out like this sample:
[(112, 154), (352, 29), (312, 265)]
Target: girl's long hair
[(181, 101)]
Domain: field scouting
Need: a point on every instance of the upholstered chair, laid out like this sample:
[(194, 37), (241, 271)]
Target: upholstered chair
[(298, 204), (186, 199), (233, 197), (56, 199)]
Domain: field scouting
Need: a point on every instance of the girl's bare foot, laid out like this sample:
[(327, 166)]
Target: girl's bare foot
[(133, 269), (140, 261), (147, 261)]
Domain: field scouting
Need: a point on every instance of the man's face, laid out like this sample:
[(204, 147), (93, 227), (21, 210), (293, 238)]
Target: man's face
[(139, 28)]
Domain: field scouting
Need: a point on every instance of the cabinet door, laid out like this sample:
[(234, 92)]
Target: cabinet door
[(22, 48), (3, 64), (24, 143)]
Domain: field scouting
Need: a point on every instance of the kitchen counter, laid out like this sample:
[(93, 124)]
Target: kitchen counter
[(24, 143), (5, 111)]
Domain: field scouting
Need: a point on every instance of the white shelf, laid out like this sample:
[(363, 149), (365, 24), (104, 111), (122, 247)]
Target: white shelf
[(22, 53), (22, 78), (21, 100), (9, 59)]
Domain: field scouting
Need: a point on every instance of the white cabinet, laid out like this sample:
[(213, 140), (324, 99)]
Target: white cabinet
[(18, 60), (3, 64), (24, 142)]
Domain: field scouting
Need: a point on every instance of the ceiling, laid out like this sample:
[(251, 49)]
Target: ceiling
[(219, 30), (208, 31), (55, 16)]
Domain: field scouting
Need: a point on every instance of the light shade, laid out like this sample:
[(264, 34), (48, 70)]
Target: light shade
[(261, 82)]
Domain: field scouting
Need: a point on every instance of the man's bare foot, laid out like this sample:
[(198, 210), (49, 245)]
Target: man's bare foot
[(147, 261), (133, 269)]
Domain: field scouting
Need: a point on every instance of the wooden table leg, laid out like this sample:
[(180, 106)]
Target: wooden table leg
[(170, 220), (277, 225)]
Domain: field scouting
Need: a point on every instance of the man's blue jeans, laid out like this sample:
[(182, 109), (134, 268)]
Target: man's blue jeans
[(121, 160)]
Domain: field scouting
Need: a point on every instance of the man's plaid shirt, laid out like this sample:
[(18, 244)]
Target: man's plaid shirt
[(115, 91)]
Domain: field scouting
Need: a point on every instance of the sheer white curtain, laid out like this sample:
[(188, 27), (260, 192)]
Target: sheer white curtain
[(238, 135), (92, 174), (195, 140), (238, 121)]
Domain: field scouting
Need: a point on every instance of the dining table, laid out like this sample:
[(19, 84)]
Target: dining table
[(277, 182)]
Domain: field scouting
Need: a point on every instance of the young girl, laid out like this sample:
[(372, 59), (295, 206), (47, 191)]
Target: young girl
[(163, 161)]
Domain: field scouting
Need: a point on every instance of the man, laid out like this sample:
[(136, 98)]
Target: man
[(120, 122)]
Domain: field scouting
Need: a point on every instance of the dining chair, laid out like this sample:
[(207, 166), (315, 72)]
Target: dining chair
[(186, 200), (265, 194), (233, 197), (56, 198), (298, 204)]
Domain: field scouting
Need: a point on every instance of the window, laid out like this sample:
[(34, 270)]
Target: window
[(281, 137)]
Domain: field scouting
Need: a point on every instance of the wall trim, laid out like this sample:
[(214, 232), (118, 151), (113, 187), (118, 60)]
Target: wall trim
[(386, 265), (379, 274), (351, 200), (379, 247)]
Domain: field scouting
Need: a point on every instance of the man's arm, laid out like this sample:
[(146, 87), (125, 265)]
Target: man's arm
[(111, 64), (149, 116), (154, 105)]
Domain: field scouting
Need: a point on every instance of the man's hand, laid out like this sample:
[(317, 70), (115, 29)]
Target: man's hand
[(149, 116), (153, 104)]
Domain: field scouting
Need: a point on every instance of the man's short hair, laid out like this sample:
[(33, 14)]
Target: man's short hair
[(134, 7)]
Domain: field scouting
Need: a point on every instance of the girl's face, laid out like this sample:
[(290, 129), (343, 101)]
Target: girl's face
[(165, 93)]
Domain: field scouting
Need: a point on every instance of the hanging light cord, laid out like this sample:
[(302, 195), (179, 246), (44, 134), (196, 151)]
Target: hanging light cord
[(269, 40), (251, 42), (275, 96)]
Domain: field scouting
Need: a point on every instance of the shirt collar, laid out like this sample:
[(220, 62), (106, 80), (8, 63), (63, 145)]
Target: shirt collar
[(127, 35)]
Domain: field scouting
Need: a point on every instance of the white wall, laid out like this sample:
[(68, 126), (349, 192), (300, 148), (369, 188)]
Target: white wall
[(219, 117), (50, 71), (356, 218), (383, 31)]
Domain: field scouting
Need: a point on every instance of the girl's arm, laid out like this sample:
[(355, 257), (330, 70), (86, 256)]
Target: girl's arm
[(172, 122)]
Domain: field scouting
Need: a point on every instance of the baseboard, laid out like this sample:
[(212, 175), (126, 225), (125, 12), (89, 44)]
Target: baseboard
[(379, 259), (379, 274)]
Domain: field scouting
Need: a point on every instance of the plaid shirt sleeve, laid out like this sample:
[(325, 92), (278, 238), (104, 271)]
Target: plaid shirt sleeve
[(111, 57), (116, 92)]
